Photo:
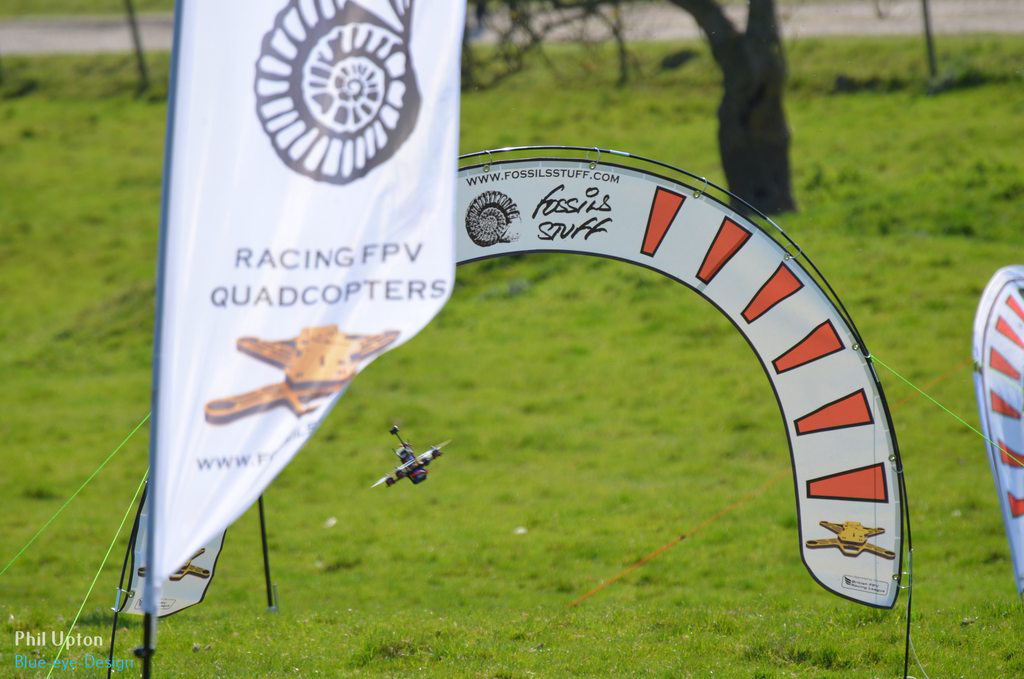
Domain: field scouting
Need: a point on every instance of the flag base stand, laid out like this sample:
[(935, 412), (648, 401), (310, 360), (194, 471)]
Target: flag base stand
[(120, 584), (272, 604), (147, 651), (271, 588)]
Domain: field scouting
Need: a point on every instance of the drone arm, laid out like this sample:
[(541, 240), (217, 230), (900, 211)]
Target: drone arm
[(394, 430), (429, 456)]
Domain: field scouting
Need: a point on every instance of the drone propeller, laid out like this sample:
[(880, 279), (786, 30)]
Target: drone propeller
[(383, 480), (439, 446)]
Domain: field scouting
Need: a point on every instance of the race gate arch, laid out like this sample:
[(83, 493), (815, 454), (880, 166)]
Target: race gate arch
[(847, 471)]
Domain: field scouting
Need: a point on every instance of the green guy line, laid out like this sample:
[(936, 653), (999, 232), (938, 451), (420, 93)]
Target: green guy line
[(959, 419), (53, 663), (75, 494)]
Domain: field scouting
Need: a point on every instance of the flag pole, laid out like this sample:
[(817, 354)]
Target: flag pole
[(271, 593), (148, 648), (151, 594)]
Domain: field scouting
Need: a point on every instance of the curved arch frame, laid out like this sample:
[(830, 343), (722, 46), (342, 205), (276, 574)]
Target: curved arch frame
[(998, 366), (573, 200)]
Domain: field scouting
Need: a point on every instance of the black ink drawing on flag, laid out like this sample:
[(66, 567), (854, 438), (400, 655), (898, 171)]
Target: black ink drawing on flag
[(336, 90)]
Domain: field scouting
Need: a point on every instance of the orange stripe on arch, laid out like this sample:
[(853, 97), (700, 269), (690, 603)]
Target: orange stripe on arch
[(1006, 331), (1009, 456), (728, 241), (664, 208), (1016, 505), (998, 362), (851, 410), (781, 285), (864, 484), (1011, 302), (821, 342), (1001, 407)]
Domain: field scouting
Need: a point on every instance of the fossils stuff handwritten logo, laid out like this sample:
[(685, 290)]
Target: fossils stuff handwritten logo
[(335, 87), (489, 217)]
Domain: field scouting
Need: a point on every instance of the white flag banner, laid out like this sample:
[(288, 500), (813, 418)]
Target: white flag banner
[(308, 227), (999, 383)]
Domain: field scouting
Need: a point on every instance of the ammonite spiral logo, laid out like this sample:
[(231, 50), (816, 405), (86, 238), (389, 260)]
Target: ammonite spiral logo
[(335, 87), (488, 219)]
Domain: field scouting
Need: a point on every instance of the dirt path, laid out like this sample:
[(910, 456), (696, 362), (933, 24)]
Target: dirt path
[(649, 21)]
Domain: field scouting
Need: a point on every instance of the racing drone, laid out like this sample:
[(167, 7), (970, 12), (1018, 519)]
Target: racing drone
[(413, 467)]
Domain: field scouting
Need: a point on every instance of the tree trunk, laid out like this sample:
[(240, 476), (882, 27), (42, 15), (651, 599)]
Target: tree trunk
[(753, 137)]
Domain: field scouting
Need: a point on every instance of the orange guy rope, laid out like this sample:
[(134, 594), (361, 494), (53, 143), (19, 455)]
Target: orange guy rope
[(703, 524), (938, 380)]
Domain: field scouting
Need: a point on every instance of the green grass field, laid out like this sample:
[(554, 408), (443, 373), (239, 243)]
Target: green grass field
[(908, 204)]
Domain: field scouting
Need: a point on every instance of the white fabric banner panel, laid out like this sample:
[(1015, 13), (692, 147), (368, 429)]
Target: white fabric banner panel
[(999, 384), (842, 445), (185, 587), (308, 228)]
